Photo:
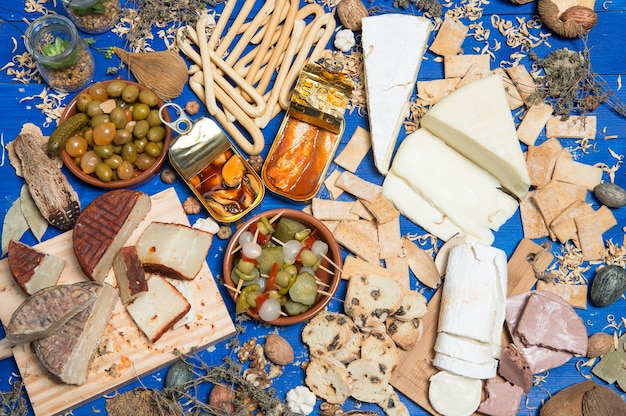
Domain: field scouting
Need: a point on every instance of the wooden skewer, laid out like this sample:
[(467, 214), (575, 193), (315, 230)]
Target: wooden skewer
[(330, 272), (331, 262), (234, 289), (319, 282), (277, 216), (325, 293), (238, 290)]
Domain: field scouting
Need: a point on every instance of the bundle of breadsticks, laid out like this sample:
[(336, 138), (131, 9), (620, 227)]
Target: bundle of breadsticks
[(244, 73)]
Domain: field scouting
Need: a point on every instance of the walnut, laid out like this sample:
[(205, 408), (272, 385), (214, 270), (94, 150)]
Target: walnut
[(192, 107), (330, 409), (244, 352), (257, 357), (168, 175), (257, 377), (191, 205), (256, 163)]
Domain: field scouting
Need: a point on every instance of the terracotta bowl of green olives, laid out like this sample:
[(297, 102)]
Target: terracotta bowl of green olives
[(282, 267), (124, 142)]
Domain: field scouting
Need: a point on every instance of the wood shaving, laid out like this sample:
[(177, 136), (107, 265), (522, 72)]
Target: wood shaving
[(51, 104), (353, 66)]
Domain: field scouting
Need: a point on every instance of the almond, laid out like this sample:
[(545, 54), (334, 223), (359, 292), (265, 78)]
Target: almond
[(350, 13), (599, 344), (278, 350)]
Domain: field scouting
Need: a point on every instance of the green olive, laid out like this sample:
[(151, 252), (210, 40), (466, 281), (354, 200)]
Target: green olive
[(82, 101), (122, 136), (140, 111), (140, 144), (129, 152), (144, 161), (98, 119), (104, 172), (104, 151), (118, 117), (153, 118), (283, 278), (152, 149), (88, 135), (125, 170), (114, 161), (156, 134), (115, 88), (93, 108), (141, 129), (117, 148), (148, 97), (130, 93), (245, 266)]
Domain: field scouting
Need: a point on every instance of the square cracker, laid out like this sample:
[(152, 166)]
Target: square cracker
[(354, 266), (589, 234), (533, 123), (532, 221), (355, 238), (456, 66), (355, 150), (540, 161), (450, 37), (390, 239), (329, 183), (357, 186), (326, 209), (570, 171), (382, 209), (399, 269)]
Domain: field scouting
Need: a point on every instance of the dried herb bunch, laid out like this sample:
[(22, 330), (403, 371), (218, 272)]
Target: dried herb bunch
[(13, 402), (431, 7), (570, 84), (161, 13)]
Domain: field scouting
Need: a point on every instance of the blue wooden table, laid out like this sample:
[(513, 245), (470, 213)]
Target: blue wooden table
[(607, 43)]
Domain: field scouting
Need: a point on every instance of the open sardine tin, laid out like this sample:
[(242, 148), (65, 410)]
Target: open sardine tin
[(310, 133), (215, 171)]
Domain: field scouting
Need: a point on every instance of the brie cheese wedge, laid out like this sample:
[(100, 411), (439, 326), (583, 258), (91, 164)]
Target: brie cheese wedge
[(393, 48), (476, 121)]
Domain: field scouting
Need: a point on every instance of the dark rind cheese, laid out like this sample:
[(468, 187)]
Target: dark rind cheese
[(104, 227), (32, 269), (129, 274)]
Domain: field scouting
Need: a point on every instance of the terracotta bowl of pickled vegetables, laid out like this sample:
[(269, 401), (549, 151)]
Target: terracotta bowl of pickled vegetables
[(113, 136), (282, 267)]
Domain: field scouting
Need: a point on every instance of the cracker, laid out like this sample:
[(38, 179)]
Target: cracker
[(455, 66), (570, 171), (575, 295), (533, 224), (474, 73), (607, 219), (325, 209), (513, 96), (533, 123), (589, 236), (358, 187), (398, 267), (540, 161), (450, 37), (329, 183), (563, 226), (355, 239), (354, 266), (359, 209), (575, 127), (355, 150), (524, 83), (389, 239), (382, 209), (430, 92)]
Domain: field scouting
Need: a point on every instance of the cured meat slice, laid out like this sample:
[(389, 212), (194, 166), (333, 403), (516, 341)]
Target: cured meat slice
[(68, 352), (32, 269), (104, 227), (46, 311)]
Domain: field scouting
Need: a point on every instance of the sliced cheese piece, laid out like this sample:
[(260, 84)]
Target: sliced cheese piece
[(174, 250), (464, 368), (33, 269), (465, 349), (467, 194), (454, 395), (158, 309), (413, 206), (393, 48), (67, 353), (476, 121), (129, 274)]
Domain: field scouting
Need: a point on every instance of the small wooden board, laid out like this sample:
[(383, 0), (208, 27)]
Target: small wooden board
[(415, 368), (126, 353)]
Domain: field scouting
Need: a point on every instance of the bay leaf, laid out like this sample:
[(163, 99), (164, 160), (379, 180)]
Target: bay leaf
[(36, 222), (14, 225)]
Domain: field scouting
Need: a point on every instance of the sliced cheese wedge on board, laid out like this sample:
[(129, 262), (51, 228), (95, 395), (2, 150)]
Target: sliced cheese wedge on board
[(477, 122), (467, 194), (454, 395), (393, 48)]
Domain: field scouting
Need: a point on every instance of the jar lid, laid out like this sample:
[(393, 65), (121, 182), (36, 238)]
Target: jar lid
[(79, 4)]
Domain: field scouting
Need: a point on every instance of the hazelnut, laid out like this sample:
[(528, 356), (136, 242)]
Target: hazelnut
[(191, 205), (192, 107), (168, 175), (350, 13), (278, 350), (224, 232), (582, 15), (222, 399), (599, 344)]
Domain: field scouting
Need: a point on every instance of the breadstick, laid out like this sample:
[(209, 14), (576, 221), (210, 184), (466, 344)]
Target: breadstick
[(242, 43), (207, 70), (221, 23)]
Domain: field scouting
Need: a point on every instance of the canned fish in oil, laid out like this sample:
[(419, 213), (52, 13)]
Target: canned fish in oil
[(309, 135), (215, 171)]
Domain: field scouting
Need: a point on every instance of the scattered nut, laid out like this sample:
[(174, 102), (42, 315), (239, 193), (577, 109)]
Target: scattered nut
[(168, 175), (256, 163), (191, 205), (224, 232), (582, 15), (350, 13), (278, 350), (192, 107), (574, 22), (610, 194), (599, 344), (222, 399)]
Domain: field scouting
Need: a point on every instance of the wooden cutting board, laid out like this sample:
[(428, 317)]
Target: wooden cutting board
[(415, 367), (126, 353)]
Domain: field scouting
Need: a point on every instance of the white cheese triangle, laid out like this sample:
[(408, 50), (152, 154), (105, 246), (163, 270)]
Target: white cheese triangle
[(393, 48), (476, 121)]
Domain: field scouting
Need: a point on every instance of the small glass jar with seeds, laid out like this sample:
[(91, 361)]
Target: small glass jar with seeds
[(93, 16), (62, 57)]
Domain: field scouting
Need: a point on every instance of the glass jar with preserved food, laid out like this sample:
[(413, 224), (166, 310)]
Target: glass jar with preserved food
[(62, 57), (93, 16)]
